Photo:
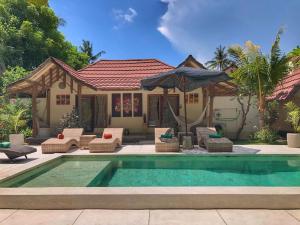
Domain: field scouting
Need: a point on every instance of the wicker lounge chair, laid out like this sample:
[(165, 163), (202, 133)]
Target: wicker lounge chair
[(107, 145), (17, 148), (172, 146), (212, 144), (203, 134), (55, 145)]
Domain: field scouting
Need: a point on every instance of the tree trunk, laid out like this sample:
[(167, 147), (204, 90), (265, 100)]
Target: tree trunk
[(245, 111), (262, 110)]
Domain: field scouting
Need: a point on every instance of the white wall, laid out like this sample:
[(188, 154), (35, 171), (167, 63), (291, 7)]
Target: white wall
[(227, 112)]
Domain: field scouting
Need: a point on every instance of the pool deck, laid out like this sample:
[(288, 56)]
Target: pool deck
[(140, 217), (150, 217)]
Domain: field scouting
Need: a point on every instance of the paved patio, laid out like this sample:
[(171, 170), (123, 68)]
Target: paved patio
[(150, 217), (147, 217)]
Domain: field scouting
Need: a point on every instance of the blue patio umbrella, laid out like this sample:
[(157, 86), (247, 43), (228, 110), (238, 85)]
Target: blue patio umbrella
[(185, 79)]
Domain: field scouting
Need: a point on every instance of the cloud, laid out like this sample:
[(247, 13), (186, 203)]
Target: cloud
[(198, 26), (122, 17)]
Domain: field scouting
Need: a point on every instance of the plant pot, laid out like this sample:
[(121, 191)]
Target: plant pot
[(293, 140), (187, 142)]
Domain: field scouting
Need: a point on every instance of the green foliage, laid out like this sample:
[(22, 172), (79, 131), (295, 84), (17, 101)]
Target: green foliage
[(293, 115), (294, 57), (69, 120), (14, 118), (220, 60), (29, 35), (87, 48), (265, 135), (259, 72), (272, 112), (11, 75), (39, 2)]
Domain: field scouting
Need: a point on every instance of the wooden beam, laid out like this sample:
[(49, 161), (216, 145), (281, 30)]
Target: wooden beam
[(43, 83), (51, 77), (204, 100), (48, 106), (79, 100), (34, 112), (211, 105)]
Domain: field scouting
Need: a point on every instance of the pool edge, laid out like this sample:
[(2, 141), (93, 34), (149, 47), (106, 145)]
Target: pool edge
[(151, 198)]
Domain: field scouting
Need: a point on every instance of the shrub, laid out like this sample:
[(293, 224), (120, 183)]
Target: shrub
[(69, 120), (293, 115), (265, 135), (14, 118)]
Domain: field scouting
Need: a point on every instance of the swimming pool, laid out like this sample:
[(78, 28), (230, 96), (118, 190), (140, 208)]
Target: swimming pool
[(162, 171)]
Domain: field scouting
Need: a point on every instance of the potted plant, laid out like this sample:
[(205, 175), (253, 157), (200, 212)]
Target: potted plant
[(293, 116)]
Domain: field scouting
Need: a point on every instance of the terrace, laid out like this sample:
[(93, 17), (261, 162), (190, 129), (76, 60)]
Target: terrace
[(140, 217)]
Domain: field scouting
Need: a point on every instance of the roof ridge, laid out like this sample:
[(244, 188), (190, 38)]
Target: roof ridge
[(124, 60)]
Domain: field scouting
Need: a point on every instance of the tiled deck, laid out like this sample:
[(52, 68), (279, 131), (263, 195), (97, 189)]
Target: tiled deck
[(141, 217), (150, 217)]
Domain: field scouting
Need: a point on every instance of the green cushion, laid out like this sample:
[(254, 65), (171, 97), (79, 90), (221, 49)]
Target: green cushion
[(216, 135), (5, 144), (166, 136)]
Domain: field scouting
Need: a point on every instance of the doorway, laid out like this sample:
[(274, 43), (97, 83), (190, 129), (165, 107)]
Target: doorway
[(155, 108), (93, 111)]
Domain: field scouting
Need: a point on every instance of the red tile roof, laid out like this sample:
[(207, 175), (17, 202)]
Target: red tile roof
[(287, 87), (121, 74)]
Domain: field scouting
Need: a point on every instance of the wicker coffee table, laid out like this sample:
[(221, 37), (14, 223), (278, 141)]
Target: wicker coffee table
[(85, 140)]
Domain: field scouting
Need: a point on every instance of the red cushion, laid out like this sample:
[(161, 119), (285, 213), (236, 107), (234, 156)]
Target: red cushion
[(60, 136), (107, 136)]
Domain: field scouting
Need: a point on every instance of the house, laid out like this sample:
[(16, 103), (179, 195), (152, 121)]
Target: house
[(108, 93), (287, 90)]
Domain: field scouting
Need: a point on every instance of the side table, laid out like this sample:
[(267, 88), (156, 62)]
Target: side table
[(85, 140)]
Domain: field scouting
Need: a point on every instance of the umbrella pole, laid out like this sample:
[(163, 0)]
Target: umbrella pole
[(185, 114)]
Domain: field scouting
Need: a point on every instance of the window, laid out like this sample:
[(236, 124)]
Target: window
[(137, 105), (131, 105), (62, 99), (193, 98), (127, 105), (116, 105)]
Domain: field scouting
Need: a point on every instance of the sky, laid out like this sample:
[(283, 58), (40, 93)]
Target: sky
[(170, 30)]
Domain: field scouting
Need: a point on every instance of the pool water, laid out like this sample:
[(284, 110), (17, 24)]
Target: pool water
[(166, 170)]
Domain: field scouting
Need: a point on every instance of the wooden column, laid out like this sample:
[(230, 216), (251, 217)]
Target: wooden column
[(34, 112), (211, 105), (71, 85), (164, 118), (48, 105), (79, 100)]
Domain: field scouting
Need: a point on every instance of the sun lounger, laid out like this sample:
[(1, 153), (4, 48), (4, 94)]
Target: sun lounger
[(172, 146), (203, 133), (17, 148), (107, 145), (55, 145), (212, 144)]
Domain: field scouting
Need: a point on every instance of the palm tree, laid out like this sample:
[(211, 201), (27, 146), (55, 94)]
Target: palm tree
[(87, 47), (264, 72), (220, 60), (294, 56)]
